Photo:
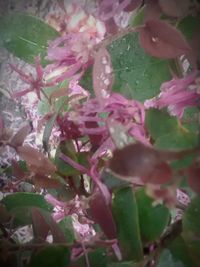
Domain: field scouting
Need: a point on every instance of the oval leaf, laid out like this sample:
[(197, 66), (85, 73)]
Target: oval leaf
[(155, 217), (26, 36), (56, 231), (134, 70), (20, 205), (40, 227), (51, 256), (101, 214), (191, 220), (19, 137), (160, 39), (174, 8), (126, 217), (36, 161)]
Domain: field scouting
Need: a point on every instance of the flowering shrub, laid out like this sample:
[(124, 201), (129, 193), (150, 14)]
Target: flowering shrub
[(114, 179)]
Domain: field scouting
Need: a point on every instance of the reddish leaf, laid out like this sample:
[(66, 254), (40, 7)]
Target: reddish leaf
[(46, 218), (102, 74), (17, 170), (133, 5), (194, 178), (160, 39), (133, 160), (174, 8), (152, 10), (35, 160), (166, 195), (40, 227), (140, 161), (56, 231), (42, 181), (161, 174), (101, 214), (20, 136)]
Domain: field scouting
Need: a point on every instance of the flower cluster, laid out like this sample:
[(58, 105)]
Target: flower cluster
[(92, 118), (177, 94)]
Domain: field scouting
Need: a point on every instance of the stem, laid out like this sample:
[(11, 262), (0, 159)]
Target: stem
[(74, 164), (46, 96)]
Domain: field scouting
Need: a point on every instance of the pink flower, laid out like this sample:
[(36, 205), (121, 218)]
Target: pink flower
[(69, 55), (177, 94), (36, 84), (92, 118), (116, 107)]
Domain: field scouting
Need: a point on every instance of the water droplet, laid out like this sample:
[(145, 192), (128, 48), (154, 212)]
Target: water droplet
[(107, 69), (104, 60), (137, 82), (106, 82)]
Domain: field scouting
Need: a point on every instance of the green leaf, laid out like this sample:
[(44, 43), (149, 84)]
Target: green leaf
[(97, 258), (179, 251), (190, 119), (22, 199), (177, 140), (137, 74), (125, 213), (194, 248), (189, 26), (191, 220), (111, 181), (68, 149), (166, 260), (44, 105), (159, 123), (26, 36), (67, 227), (137, 18), (51, 256), (47, 131), (20, 205), (152, 219)]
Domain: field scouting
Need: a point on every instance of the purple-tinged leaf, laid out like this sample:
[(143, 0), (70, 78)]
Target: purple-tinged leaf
[(42, 181), (101, 214), (35, 160), (56, 231), (133, 5), (174, 8), (40, 227), (17, 170), (161, 174), (160, 39), (125, 212), (19, 137), (102, 74), (142, 161), (152, 10)]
